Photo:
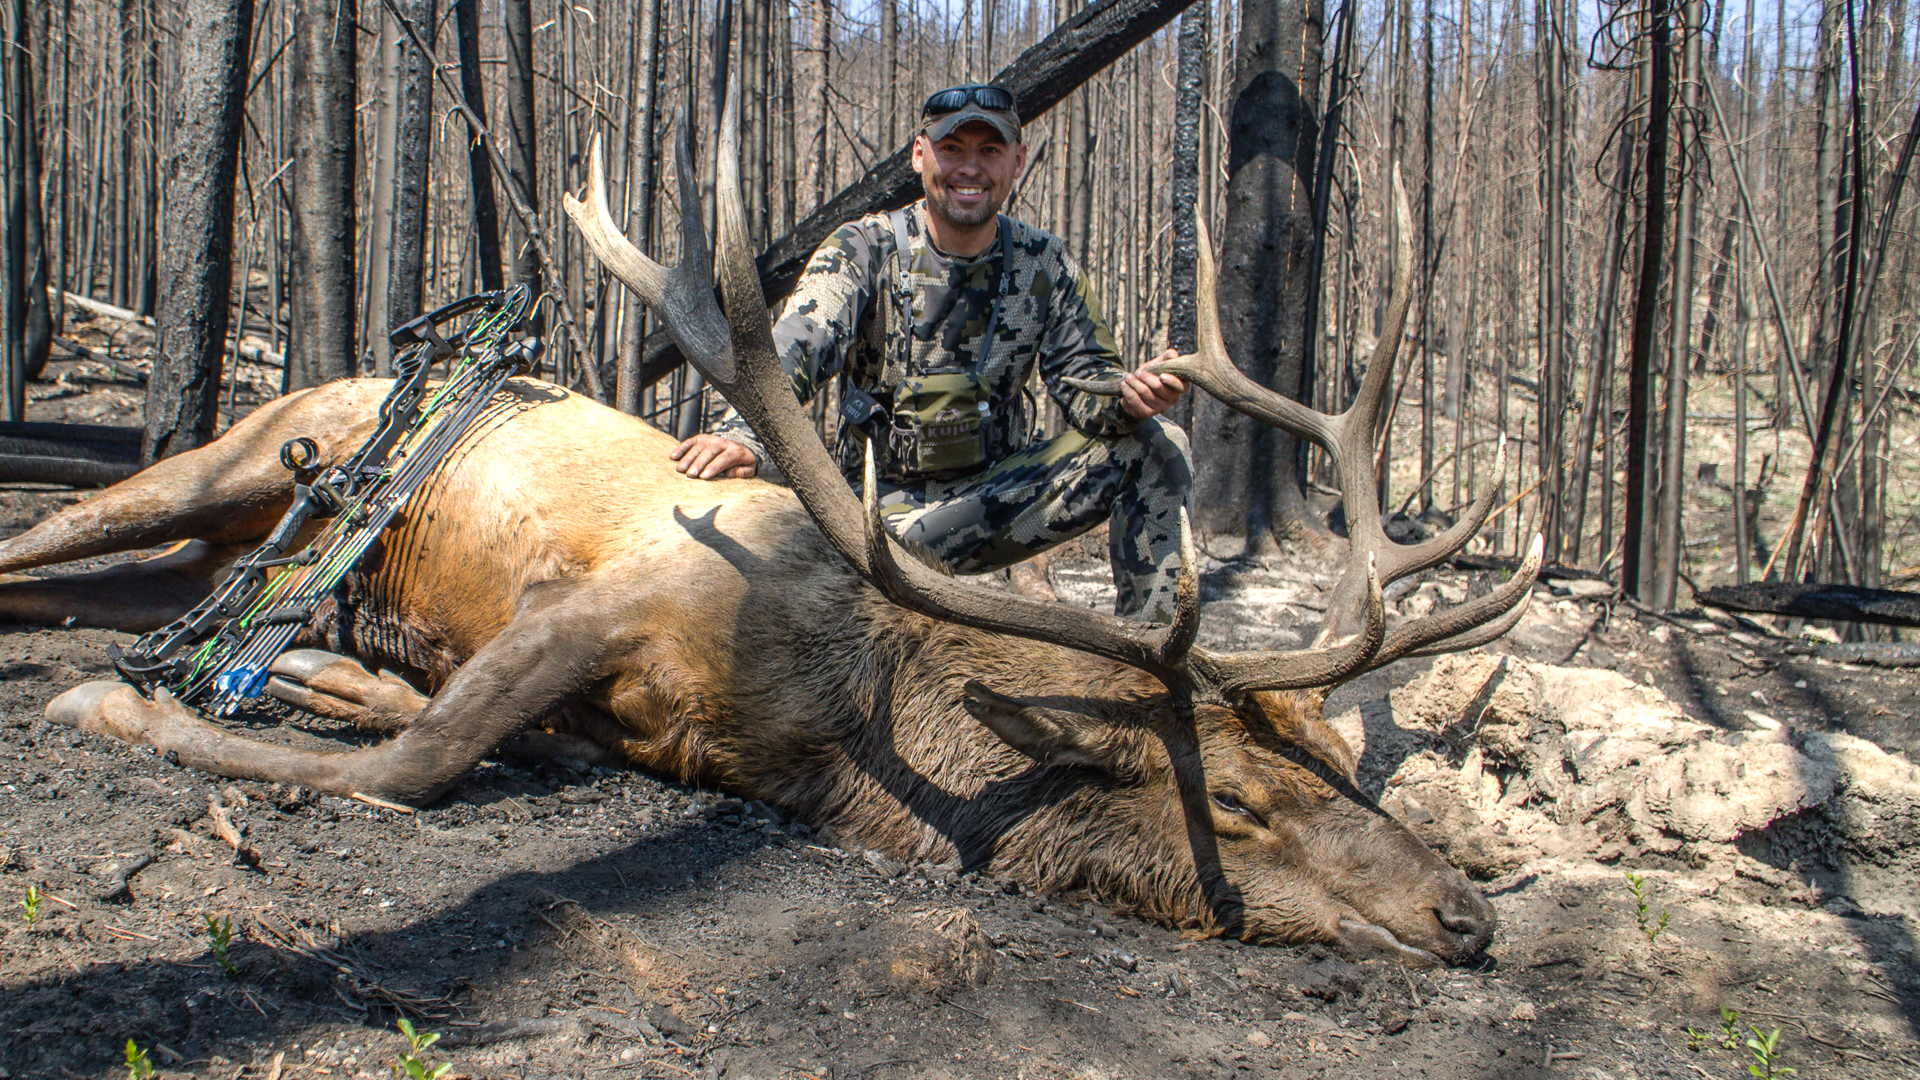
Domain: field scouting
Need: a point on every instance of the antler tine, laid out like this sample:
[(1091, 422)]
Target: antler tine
[(1413, 558), (1472, 624), (1364, 413), (1212, 370), (602, 233), (696, 258), (739, 278), (1236, 675)]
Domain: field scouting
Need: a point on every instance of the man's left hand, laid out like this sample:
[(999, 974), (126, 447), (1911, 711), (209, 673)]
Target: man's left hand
[(1147, 392)]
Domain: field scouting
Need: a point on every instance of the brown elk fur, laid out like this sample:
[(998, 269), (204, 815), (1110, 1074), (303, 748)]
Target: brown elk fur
[(706, 631)]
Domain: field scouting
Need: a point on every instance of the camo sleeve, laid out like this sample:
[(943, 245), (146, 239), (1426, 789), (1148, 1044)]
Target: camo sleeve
[(816, 329), (1075, 343)]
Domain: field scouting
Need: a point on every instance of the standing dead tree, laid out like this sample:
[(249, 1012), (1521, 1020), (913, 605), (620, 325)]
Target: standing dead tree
[(320, 279), (184, 392)]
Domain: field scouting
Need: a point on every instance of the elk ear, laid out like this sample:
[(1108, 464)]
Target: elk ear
[(1048, 736), (1296, 719)]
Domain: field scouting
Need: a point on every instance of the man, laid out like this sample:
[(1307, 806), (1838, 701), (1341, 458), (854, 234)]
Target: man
[(937, 315)]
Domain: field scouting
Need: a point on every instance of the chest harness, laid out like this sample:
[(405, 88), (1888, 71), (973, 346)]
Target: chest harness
[(939, 423)]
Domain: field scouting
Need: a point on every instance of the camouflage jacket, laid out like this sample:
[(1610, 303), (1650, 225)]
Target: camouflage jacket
[(843, 317)]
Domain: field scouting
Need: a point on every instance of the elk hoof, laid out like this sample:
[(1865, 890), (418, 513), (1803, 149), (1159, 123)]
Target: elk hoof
[(118, 710), (1366, 941), (305, 664), (78, 706), (341, 688)]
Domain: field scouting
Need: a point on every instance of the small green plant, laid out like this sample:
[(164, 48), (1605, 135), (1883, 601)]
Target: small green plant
[(411, 1065), (1729, 1028), (1766, 1054), (1652, 928), (220, 940), (30, 907), (138, 1066), (1698, 1040)]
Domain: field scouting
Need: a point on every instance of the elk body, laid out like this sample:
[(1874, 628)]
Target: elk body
[(559, 582)]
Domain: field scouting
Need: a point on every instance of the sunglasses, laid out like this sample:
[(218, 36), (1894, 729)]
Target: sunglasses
[(987, 97)]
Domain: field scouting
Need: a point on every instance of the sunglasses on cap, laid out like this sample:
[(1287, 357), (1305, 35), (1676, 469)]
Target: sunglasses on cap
[(987, 97)]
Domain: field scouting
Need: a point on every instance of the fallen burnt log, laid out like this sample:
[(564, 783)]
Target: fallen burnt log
[(77, 455), (1548, 570), (1892, 654), (1843, 603)]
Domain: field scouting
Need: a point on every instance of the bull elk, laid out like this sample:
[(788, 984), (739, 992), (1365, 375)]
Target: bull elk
[(560, 584)]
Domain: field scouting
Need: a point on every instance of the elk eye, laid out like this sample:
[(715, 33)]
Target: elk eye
[(1232, 805)]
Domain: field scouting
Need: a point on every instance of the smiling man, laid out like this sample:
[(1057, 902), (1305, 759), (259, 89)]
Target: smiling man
[(936, 316)]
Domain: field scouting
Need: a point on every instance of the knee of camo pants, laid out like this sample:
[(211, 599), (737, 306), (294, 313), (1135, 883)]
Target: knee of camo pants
[(1143, 541)]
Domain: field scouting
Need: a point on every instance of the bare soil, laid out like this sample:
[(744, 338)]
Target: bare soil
[(585, 922)]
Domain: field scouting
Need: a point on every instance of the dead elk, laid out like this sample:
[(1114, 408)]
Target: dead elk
[(559, 581)]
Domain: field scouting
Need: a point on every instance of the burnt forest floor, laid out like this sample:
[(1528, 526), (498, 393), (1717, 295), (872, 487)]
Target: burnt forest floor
[(554, 921)]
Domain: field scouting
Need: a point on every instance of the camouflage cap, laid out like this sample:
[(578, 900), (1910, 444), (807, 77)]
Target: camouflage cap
[(948, 110)]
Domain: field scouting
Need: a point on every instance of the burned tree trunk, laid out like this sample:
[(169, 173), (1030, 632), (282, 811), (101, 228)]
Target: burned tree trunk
[(640, 189), (1673, 454), (1248, 483), (36, 336), (522, 156), (486, 210), (184, 392), (1188, 87), (26, 277), (321, 344), (1636, 569), (412, 150)]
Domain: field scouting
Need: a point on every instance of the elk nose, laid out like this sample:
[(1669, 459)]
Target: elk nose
[(1464, 912)]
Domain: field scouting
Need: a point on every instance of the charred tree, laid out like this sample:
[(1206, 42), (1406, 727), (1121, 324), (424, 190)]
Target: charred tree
[(321, 271), (184, 391), (640, 185), (1189, 84), (1247, 480), (1673, 453), (486, 210), (523, 155), (412, 155), (1636, 569), (26, 320)]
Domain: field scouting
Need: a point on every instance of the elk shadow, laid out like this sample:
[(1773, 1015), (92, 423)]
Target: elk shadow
[(706, 532), (978, 825)]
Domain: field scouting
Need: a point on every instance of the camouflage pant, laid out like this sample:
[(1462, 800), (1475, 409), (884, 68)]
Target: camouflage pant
[(1051, 492)]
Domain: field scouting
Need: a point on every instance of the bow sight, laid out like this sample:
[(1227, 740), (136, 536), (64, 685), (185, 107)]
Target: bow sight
[(217, 655)]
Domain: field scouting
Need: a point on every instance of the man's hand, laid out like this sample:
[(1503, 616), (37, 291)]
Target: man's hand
[(1146, 392), (714, 457)]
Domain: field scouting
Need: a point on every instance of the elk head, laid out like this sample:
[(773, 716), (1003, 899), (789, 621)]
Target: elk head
[(1280, 843)]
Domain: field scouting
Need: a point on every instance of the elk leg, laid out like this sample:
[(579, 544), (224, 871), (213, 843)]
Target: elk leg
[(557, 645), (135, 597), (231, 490), (340, 688)]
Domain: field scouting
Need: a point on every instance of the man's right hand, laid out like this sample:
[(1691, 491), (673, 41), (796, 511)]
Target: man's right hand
[(714, 457)]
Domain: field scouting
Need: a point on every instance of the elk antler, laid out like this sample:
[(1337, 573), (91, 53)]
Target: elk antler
[(1349, 439)]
